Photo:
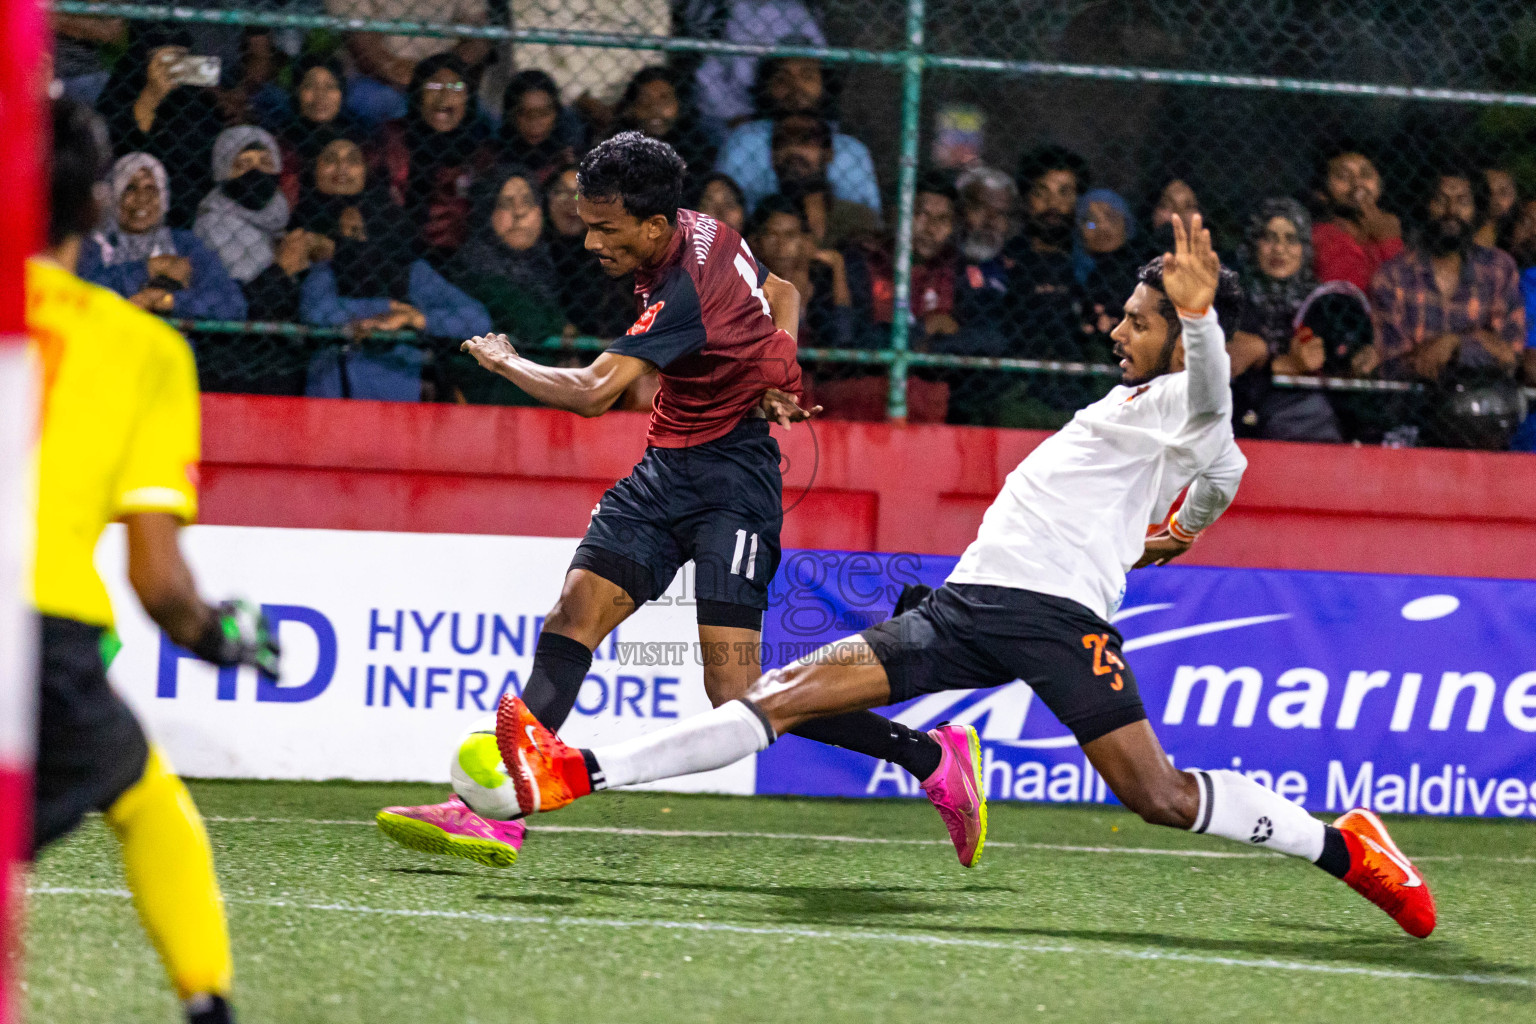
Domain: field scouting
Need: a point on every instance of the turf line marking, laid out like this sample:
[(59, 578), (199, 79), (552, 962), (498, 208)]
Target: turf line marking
[(791, 836), (844, 935), (1143, 851)]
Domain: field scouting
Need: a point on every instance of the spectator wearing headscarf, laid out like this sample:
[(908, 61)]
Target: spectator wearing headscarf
[(1106, 254), (162, 269), (537, 130), (506, 265), (433, 154), (1276, 266), (245, 214), (373, 282), (148, 111), (598, 305), (245, 220), (319, 113), (1275, 263)]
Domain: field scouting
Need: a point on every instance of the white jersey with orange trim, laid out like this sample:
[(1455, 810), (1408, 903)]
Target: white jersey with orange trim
[(1072, 518)]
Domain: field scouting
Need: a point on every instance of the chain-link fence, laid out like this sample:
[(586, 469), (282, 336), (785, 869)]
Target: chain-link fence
[(331, 193)]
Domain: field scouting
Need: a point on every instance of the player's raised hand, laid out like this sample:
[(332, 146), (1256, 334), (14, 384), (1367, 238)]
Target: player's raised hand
[(1192, 271), (780, 407), (489, 350)]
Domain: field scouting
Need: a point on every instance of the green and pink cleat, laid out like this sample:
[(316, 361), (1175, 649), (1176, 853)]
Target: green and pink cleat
[(452, 829), (957, 791)]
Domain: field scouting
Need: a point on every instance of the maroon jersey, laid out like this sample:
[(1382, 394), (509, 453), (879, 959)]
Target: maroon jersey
[(705, 324)]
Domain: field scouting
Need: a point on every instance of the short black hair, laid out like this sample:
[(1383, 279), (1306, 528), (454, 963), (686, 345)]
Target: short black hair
[(815, 129), (643, 173), (1041, 160), (1334, 149), (1482, 194), (644, 77), (767, 207), (78, 161), (939, 183), (831, 80), (1229, 300)]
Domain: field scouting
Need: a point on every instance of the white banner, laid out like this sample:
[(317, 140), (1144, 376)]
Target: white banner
[(393, 644)]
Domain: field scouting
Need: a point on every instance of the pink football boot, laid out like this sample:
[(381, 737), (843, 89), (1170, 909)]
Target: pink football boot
[(452, 829), (957, 790)]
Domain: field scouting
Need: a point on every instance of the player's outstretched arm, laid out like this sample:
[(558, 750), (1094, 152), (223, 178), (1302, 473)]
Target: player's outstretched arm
[(1191, 274), (586, 391), (230, 633)]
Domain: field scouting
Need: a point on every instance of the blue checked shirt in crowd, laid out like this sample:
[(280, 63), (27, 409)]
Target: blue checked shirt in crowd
[(1410, 310)]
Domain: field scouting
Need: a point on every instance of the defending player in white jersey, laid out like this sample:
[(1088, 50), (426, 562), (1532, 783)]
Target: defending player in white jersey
[(1031, 599)]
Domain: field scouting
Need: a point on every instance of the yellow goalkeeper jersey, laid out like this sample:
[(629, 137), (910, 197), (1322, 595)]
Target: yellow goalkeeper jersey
[(120, 430)]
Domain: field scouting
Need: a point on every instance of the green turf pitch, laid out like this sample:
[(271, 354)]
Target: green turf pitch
[(1071, 916)]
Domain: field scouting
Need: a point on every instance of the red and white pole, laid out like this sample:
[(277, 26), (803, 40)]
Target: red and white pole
[(23, 139)]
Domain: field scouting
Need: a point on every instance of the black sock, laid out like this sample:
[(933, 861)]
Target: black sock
[(209, 1010), (1335, 856), (595, 777), (559, 666), (880, 738)]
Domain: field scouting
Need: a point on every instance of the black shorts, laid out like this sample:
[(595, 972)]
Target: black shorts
[(964, 636), (90, 748), (719, 504)]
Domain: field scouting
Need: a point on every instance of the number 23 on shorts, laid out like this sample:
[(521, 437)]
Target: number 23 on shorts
[(1105, 661)]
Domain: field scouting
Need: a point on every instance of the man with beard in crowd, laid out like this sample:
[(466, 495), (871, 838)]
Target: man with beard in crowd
[(1448, 302), (989, 203), (1050, 180), (802, 152), (1351, 236)]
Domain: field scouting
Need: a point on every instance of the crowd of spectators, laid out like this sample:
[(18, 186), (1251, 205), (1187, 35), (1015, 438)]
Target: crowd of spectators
[(400, 183)]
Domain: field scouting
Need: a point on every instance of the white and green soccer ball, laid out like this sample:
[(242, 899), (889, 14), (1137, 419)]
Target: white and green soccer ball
[(478, 775)]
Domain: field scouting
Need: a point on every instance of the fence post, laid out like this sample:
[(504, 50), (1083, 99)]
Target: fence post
[(906, 188)]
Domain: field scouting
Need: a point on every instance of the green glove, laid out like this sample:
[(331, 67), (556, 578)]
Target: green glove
[(239, 634)]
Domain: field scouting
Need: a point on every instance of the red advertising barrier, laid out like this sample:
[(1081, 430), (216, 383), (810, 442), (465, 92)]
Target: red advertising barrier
[(872, 486)]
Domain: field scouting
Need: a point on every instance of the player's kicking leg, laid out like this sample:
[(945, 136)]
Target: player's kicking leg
[(842, 678), (590, 607), (1355, 848)]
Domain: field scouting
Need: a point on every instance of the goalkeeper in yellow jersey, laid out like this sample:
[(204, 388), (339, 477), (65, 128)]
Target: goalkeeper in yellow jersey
[(120, 436)]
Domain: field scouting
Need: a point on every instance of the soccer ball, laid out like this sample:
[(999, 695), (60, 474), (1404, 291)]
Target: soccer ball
[(479, 777)]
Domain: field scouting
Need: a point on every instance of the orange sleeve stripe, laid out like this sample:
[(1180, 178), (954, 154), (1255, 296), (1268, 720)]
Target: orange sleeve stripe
[(1179, 532)]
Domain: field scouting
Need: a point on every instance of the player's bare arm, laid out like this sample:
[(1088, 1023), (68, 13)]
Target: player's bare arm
[(229, 633), (587, 390), (161, 578), (783, 304)]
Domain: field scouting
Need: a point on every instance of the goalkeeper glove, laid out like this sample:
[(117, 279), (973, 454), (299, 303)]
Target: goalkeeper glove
[(239, 634)]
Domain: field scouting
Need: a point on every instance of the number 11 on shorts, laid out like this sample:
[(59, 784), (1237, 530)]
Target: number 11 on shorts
[(741, 545)]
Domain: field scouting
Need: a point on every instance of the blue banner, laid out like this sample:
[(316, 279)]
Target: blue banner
[(1411, 694)]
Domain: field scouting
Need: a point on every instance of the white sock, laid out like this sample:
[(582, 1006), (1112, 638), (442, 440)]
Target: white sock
[(714, 739), (1235, 807)]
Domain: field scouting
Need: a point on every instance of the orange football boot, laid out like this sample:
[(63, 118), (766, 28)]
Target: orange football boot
[(547, 773), (1379, 872)]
